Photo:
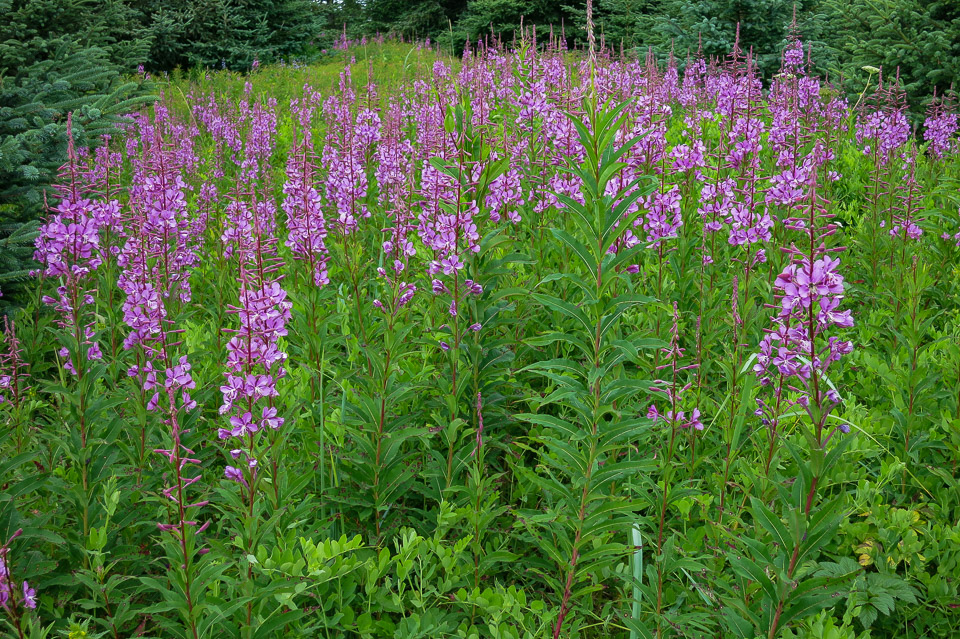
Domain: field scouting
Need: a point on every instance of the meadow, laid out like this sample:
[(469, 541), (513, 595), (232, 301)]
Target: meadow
[(531, 343)]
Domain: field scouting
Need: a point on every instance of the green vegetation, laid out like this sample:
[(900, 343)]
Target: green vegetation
[(523, 344)]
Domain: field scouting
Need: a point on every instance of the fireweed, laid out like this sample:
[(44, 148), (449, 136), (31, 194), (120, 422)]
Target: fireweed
[(940, 126), (800, 349), (16, 596), (14, 384), (157, 259), (255, 363), (379, 467), (69, 251), (430, 298), (882, 130), (799, 346), (673, 420), (454, 189)]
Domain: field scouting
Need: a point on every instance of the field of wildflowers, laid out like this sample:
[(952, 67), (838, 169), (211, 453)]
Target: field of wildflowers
[(526, 344)]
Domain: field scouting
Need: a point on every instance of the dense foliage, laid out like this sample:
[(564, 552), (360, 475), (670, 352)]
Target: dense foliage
[(530, 345)]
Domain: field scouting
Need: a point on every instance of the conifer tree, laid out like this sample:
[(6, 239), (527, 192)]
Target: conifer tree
[(917, 39), (228, 33), (47, 71)]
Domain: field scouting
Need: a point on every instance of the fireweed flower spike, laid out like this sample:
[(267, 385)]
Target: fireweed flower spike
[(16, 598), (254, 360), (13, 378), (255, 363), (882, 127), (306, 226), (799, 346), (941, 126), (394, 174), (69, 250), (160, 251), (157, 258), (907, 212), (349, 140)]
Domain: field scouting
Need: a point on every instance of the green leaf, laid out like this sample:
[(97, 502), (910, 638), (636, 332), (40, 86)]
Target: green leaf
[(581, 251), (747, 568), (772, 524), (566, 308)]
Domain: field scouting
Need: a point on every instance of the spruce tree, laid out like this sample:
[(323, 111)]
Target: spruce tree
[(16, 259), (413, 18), (229, 33), (919, 40), (712, 26), (47, 71)]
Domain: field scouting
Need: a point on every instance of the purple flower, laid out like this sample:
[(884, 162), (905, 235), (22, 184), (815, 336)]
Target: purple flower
[(406, 294), (29, 596), (793, 55), (802, 285), (231, 391), (940, 130), (664, 218), (695, 422), (450, 264), (687, 157), (264, 386), (243, 425), (150, 377), (179, 376), (888, 127), (270, 419), (234, 474)]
